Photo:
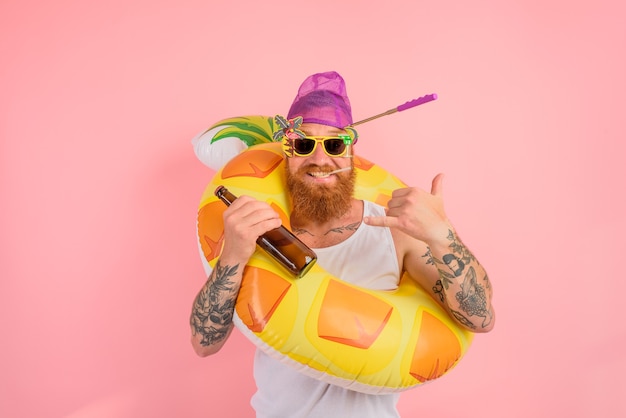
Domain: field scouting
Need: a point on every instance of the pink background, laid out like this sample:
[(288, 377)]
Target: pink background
[(99, 187)]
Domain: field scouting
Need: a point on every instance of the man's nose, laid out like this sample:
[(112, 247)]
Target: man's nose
[(318, 153)]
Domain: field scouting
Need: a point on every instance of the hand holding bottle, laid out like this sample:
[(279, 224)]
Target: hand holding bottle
[(244, 221), (252, 219)]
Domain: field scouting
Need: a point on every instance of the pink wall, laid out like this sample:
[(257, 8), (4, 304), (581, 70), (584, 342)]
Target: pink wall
[(99, 188)]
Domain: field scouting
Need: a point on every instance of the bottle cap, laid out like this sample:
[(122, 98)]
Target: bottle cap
[(219, 190)]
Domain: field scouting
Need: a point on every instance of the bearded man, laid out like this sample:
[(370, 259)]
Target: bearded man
[(359, 241)]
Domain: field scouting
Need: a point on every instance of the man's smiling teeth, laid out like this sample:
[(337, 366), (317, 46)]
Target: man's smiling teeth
[(319, 174)]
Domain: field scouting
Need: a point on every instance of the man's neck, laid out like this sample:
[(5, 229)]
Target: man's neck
[(333, 232)]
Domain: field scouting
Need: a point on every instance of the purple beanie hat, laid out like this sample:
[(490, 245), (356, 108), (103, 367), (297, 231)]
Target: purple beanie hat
[(322, 99)]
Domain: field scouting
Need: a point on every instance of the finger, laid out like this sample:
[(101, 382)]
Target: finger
[(437, 186), (250, 214), (262, 216), (246, 206), (403, 191), (261, 227), (397, 197), (250, 227), (388, 221)]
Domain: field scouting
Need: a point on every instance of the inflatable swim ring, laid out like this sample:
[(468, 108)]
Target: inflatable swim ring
[(365, 340)]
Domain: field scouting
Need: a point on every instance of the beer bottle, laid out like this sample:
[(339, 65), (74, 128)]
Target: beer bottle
[(280, 243)]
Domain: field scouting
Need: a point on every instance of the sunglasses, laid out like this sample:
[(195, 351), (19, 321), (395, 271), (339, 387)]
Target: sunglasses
[(333, 146)]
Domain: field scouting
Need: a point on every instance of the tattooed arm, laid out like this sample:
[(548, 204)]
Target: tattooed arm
[(213, 308), (211, 318), (431, 252), (458, 281)]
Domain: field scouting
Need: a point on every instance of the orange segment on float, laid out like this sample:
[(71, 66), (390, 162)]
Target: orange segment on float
[(260, 294), (211, 229), (254, 163), (382, 199), (350, 316), (362, 163), (437, 350)]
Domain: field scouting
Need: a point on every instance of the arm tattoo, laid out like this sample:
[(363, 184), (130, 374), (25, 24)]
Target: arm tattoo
[(212, 315), (438, 290), (472, 298), (445, 276), (459, 248), (462, 319), (453, 264)]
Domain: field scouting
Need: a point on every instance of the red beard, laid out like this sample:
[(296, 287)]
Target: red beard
[(320, 203)]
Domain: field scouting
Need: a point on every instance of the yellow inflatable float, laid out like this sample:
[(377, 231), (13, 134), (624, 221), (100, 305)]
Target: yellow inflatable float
[(361, 339)]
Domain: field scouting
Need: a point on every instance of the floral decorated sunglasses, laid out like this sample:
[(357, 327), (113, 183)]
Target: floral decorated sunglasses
[(295, 141), (334, 146)]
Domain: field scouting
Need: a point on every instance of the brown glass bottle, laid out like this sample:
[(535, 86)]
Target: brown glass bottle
[(280, 243)]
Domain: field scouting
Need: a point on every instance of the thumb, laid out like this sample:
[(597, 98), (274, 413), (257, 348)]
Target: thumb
[(437, 186)]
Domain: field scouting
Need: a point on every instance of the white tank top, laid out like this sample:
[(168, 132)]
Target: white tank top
[(367, 259)]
